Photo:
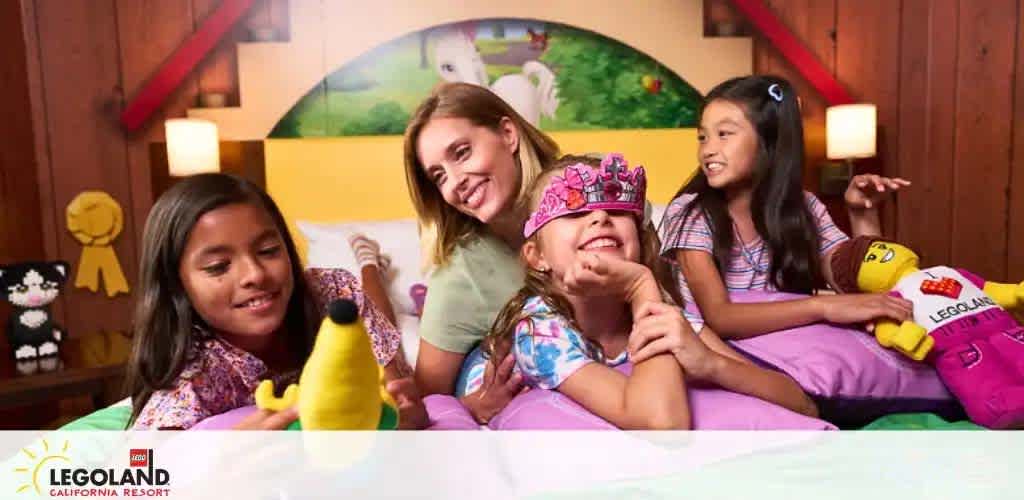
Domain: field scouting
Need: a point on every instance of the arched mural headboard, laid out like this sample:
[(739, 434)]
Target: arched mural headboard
[(313, 178)]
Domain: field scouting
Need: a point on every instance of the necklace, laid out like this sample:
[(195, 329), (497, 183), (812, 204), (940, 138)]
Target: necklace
[(747, 255)]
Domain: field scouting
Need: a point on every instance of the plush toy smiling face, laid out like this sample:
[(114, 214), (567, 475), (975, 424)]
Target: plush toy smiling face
[(883, 265)]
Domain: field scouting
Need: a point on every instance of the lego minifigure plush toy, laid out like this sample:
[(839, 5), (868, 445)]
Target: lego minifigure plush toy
[(960, 325)]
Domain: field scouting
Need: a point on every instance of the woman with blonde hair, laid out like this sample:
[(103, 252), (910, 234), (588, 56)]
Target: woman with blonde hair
[(469, 158)]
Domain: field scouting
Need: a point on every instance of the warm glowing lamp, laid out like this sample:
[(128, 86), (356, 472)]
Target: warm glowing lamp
[(850, 134), (192, 146)]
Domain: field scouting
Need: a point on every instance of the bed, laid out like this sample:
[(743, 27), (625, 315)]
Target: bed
[(304, 178), (330, 182)]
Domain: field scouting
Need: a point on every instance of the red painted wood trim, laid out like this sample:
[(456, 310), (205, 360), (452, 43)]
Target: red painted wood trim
[(794, 51), (181, 63)]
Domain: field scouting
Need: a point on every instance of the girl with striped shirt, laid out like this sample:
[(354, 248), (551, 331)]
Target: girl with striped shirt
[(745, 223)]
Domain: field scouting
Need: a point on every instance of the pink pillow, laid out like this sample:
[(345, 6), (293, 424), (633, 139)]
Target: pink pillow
[(447, 414), (711, 409), (852, 378)]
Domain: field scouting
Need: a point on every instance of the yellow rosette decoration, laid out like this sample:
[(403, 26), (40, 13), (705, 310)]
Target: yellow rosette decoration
[(95, 219)]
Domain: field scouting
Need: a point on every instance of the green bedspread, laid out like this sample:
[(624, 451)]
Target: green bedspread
[(113, 418)]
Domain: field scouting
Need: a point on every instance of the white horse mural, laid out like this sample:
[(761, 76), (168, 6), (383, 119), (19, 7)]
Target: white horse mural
[(457, 60)]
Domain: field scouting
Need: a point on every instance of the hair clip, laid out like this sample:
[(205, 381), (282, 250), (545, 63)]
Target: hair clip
[(775, 91)]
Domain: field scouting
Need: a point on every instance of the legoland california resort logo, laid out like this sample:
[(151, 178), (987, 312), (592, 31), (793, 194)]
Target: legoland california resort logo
[(50, 471)]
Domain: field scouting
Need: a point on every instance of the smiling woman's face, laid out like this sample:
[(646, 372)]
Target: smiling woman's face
[(473, 167)]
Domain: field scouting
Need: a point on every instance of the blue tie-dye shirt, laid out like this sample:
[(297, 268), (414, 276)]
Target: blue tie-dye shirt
[(546, 347)]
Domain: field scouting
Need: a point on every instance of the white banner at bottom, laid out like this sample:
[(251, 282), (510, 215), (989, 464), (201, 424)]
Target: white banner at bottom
[(497, 465)]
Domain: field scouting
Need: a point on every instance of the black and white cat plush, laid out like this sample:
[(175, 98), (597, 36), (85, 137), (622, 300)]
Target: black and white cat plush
[(31, 287)]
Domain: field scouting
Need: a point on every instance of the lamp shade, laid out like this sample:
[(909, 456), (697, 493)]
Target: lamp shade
[(851, 131), (192, 146)]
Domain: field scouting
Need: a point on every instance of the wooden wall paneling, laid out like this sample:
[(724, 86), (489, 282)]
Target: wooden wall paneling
[(1015, 220), (984, 103), (722, 19), (280, 18), (867, 62), (219, 71), (813, 22), (242, 158), (21, 237), (80, 70), (260, 15), (147, 34), (927, 120), (21, 218), (49, 224)]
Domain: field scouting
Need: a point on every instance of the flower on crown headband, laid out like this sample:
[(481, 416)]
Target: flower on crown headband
[(582, 188)]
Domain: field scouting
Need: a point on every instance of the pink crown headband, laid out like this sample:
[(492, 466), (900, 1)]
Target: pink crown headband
[(583, 188)]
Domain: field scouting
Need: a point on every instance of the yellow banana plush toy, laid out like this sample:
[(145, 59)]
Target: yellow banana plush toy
[(341, 386)]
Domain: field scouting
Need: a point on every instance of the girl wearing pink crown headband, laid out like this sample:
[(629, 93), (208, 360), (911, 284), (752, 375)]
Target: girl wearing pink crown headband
[(745, 223), (592, 302)]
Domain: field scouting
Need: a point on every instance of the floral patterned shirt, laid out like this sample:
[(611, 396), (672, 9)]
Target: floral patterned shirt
[(219, 377)]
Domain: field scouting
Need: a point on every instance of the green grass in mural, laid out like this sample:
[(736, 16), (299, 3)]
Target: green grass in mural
[(598, 81)]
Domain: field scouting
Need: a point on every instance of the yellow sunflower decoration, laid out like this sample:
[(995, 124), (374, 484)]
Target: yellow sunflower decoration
[(95, 220)]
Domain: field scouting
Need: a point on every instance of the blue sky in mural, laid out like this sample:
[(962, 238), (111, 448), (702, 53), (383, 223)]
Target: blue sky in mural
[(556, 76)]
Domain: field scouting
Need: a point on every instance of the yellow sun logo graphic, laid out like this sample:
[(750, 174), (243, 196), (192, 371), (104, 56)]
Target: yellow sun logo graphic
[(39, 461)]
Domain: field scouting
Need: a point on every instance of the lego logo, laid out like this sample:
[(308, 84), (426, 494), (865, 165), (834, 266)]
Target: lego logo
[(138, 458)]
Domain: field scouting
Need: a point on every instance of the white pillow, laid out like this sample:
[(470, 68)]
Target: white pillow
[(657, 212), (409, 325), (327, 247)]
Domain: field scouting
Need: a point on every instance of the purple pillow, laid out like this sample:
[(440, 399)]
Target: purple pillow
[(711, 409), (225, 420), (852, 378), (446, 413)]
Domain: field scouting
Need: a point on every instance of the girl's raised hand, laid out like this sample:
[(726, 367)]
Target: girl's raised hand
[(500, 385), (593, 274), (868, 190), (863, 307), (661, 328)]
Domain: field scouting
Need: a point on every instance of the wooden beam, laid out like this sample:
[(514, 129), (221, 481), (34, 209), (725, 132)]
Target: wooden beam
[(182, 62), (762, 18)]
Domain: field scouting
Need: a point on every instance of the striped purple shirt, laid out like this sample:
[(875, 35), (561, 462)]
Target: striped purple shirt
[(749, 261)]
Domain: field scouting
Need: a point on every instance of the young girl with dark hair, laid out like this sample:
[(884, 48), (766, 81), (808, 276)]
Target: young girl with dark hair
[(223, 303), (745, 223)]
